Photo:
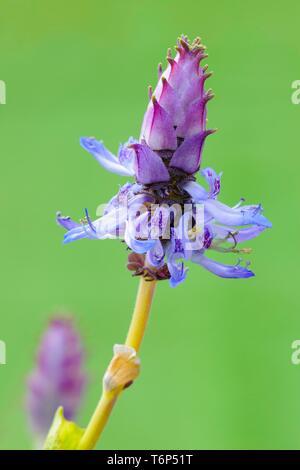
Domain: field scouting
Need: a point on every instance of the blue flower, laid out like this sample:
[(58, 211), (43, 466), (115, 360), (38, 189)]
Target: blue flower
[(165, 216)]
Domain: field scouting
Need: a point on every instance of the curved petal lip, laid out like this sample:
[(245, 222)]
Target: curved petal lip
[(104, 156), (222, 270)]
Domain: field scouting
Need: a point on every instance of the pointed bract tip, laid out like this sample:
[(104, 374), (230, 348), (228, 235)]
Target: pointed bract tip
[(208, 132), (203, 56), (159, 70), (207, 75), (209, 95), (133, 146), (171, 61), (184, 44)]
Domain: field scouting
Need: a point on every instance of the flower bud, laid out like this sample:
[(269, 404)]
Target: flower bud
[(123, 368), (177, 108)]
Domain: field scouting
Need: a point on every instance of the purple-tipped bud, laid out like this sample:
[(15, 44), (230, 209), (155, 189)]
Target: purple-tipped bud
[(58, 378), (177, 109)]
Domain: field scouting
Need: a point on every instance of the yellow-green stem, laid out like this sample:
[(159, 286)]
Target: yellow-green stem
[(134, 338)]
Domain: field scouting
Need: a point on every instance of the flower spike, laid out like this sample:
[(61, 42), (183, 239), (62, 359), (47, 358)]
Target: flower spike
[(58, 378), (164, 163)]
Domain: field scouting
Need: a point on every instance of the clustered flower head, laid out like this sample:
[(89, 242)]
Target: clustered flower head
[(58, 378), (165, 216)]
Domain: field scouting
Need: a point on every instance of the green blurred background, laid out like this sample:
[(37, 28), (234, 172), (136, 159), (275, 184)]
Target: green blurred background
[(216, 361)]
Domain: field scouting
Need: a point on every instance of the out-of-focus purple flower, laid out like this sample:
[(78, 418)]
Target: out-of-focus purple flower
[(166, 217), (58, 378)]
